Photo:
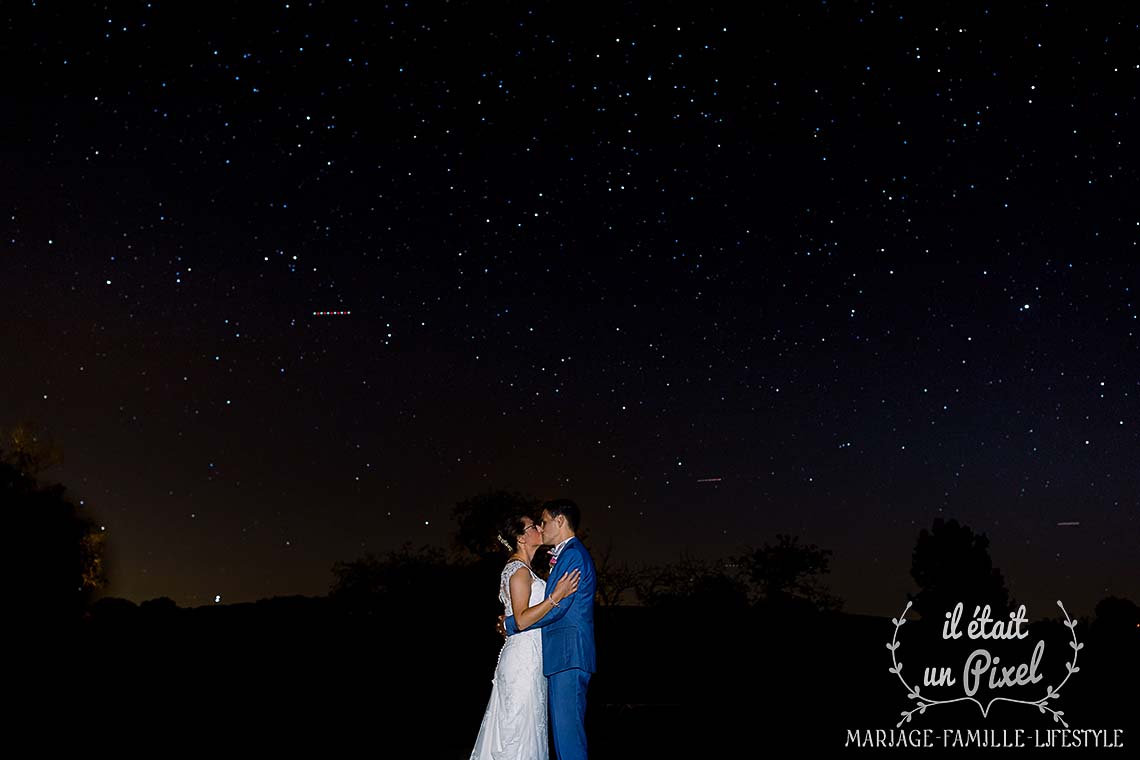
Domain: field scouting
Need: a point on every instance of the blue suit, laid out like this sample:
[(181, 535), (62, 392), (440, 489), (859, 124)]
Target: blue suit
[(568, 657)]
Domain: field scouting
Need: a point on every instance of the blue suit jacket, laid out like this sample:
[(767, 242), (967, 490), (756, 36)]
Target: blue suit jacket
[(568, 629)]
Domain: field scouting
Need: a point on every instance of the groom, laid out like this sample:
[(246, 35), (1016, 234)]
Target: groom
[(567, 630)]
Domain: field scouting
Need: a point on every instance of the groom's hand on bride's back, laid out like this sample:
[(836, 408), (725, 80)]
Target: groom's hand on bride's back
[(500, 626)]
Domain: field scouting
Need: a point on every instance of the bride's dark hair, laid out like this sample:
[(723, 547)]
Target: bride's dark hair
[(510, 528)]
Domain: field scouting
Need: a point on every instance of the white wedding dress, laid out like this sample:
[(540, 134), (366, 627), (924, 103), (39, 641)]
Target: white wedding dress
[(514, 726)]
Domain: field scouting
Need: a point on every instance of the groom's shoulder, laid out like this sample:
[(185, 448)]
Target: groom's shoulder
[(577, 545)]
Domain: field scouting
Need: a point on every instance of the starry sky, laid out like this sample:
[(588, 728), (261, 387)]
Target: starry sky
[(833, 269)]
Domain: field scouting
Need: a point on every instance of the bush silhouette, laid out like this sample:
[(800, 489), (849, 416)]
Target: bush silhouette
[(952, 564)]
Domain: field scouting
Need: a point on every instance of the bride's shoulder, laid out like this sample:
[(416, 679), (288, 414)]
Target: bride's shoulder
[(516, 567), (513, 567)]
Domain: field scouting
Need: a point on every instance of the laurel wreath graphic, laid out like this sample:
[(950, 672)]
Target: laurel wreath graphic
[(924, 701)]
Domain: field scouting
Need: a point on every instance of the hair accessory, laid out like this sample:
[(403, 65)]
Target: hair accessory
[(503, 541)]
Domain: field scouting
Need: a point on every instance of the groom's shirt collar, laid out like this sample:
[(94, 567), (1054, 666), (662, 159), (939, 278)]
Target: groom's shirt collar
[(558, 549)]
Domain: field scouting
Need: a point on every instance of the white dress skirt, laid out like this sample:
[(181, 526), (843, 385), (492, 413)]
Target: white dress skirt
[(515, 724)]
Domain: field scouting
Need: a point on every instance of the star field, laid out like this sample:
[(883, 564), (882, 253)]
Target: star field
[(286, 282)]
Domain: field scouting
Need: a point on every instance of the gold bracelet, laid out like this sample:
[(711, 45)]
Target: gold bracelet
[(552, 601)]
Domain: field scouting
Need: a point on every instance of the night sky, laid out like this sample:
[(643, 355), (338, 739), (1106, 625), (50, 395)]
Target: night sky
[(867, 265)]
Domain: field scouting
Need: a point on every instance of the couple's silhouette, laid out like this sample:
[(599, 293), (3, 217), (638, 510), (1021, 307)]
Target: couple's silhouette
[(546, 662)]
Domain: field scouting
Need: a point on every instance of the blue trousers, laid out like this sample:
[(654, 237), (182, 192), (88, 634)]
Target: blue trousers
[(568, 713)]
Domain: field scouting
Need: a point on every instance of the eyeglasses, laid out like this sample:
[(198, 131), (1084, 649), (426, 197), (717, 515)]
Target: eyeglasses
[(532, 525)]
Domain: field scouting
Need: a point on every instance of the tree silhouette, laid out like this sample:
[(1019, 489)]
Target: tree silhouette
[(1116, 617), (691, 582), (112, 609), (407, 576), (952, 564), (64, 547), (788, 573), (479, 516), (410, 578), (22, 447), (614, 578), (162, 607)]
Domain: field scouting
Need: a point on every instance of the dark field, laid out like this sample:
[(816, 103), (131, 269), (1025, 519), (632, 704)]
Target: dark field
[(299, 675)]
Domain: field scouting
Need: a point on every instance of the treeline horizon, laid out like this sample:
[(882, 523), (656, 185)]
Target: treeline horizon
[(950, 563)]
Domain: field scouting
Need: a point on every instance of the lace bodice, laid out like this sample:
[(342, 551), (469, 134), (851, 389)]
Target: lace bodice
[(537, 588)]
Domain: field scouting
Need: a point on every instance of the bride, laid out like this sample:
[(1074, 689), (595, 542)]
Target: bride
[(514, 725)]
